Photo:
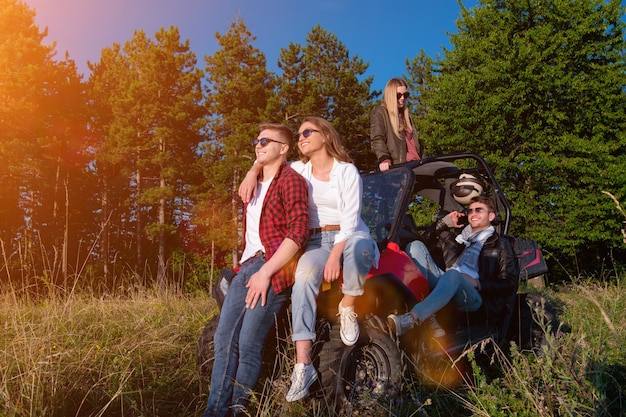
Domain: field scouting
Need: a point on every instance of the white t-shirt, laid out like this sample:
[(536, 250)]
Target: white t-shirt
[(253, 219), (323, 207), (346, 185)]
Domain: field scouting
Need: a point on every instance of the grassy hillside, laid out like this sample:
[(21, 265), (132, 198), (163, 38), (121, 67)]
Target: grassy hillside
[(135, 356)]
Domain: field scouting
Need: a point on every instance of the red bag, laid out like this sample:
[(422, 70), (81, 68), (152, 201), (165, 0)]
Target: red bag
[(530, 258)]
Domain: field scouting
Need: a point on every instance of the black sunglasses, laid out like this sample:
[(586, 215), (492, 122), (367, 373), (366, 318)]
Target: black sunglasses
[(477, 210), (405, 94), (264, 141), (305, 133)]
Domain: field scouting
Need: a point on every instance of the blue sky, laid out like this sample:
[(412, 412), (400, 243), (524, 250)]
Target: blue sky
[(381, 33)]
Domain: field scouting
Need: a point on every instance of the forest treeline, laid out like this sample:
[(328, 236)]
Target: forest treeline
[(134, 170)]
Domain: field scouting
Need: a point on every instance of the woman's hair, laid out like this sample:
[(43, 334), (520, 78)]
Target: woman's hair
[(333, 144), (390, 101)]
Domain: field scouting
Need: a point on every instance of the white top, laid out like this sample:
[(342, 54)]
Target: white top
[(323, 208), (253, 219), (346, 184)]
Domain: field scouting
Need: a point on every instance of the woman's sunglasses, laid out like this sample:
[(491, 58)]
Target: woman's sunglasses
[(305, 133), (405, 95)]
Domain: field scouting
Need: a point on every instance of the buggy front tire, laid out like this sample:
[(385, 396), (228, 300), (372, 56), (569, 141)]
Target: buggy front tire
[(371, 369)]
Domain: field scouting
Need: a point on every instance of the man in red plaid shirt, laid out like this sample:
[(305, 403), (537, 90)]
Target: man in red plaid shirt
[(276, 231)]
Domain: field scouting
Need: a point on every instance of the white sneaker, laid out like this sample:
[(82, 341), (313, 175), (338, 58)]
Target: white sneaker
[(401, 324), (436, 328), (301, 380), (349, 326)]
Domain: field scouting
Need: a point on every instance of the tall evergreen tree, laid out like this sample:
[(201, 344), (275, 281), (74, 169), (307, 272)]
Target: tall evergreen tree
[(24, 61), (239, 88), (539, 89), (421, 70), (67, 185), (322, 79), (148, 114), (43, 149)]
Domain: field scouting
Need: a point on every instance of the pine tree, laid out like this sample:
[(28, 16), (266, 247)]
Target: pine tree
[(538, 88), (239, 90), (322, 79), (43, 148), (148, 111)]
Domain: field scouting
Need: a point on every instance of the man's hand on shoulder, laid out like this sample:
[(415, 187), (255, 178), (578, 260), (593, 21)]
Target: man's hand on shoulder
[(249, 183)]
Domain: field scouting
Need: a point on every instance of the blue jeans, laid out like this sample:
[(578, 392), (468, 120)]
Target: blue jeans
[(238, 343), (444, 286), (358, 257)]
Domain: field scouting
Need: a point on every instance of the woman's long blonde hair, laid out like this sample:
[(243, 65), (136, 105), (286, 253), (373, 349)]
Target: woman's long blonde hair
[(333, 144), (390, 101)]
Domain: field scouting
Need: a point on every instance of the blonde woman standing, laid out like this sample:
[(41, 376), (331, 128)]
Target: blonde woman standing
[(393, 136)]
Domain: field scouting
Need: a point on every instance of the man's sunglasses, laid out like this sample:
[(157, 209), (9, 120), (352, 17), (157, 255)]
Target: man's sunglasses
[(405, 95), (477, 210), (305, 133), (264, 141)]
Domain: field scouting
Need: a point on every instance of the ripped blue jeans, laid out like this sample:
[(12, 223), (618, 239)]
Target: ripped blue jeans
[(358, 257)]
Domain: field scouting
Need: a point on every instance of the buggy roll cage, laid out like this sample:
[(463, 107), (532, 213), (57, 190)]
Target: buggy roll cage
[(388, 194)]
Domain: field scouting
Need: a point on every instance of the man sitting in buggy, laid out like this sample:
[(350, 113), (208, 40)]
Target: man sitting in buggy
[(480, 267)]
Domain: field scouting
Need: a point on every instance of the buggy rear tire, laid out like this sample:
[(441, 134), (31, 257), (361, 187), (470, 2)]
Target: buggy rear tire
[(371, 369), (274, 350), (205, 354), (534, 316)]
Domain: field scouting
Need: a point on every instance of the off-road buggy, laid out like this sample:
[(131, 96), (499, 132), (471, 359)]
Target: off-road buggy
[(398, 205)]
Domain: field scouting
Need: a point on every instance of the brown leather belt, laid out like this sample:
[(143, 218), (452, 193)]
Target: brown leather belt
[(258, 254), (327, 228)]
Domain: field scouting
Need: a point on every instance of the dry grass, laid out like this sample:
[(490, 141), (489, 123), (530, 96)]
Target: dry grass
[(135, 356), (87, 356)]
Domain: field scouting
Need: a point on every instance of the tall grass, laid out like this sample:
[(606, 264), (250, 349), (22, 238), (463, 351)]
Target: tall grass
[(86, 356), (134, 355), (579, 372)]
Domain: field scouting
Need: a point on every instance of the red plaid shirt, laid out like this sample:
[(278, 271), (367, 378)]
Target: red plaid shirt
[(285, 214)]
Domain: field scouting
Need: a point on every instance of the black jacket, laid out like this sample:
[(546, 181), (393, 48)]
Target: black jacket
[(385, 142), (498, 269)]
